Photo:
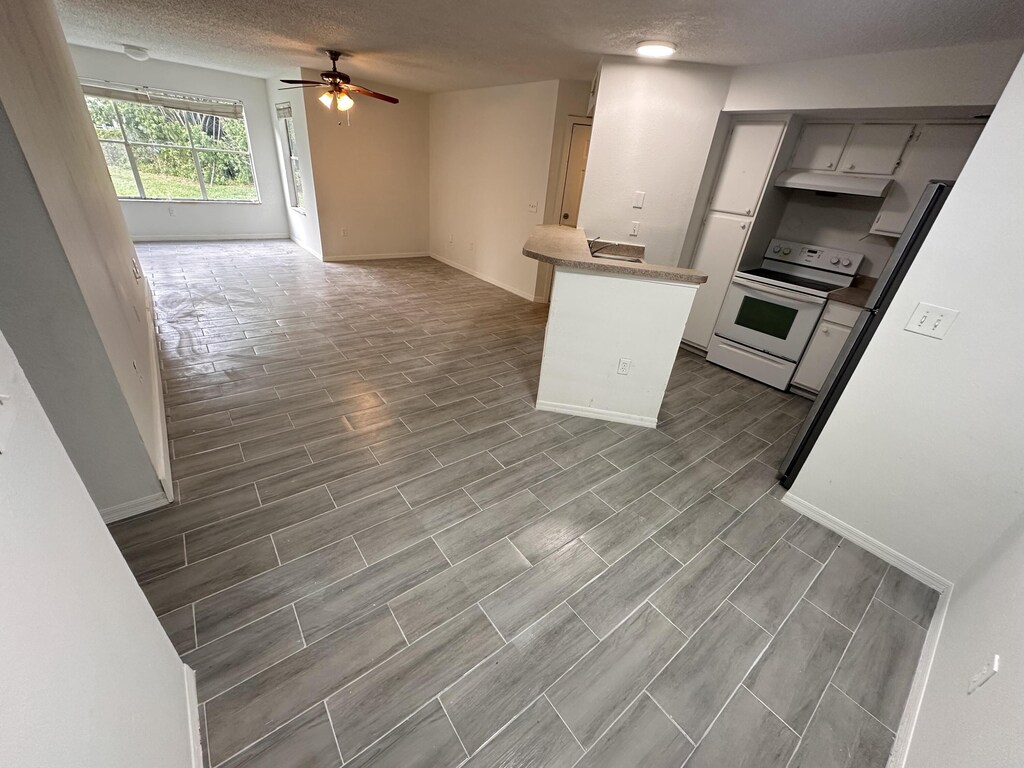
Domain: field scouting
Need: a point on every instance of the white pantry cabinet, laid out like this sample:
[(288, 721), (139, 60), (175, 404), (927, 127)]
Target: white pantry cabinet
[(718, 252), (937, 151), (744, 171), (875, 148), (820, 146), (825, 345)]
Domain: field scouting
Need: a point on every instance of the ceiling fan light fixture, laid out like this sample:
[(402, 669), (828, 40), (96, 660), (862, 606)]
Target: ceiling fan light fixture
[(655, 49), (344, 102), (327, 99)]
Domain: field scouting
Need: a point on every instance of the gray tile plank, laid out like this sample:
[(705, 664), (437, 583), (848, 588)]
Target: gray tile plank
[(693, 594), (556, 529), (147, 561), (462, 391), (343, 601), (691, 530), (231, 434), (737, 451), (437, 414), (484, 528), (773, 426), (760, 527), (583, 446), (626, 529), (535, 592), (180, 628), (512, 480), (233, 658), (208, 483), (448, 479), (372, 705), (847, 583), (311, 475), (403, 445), (730, 424), (842, 735), (643, 736), (686, 422), (533, 421), (796, 668), (530, 444), (469, 445), (615, 594), (690, 484), (575, 481), (639, 446), (195, 581), (394, 535), (491, 695), (425, 740), (450, 592), (243, 714), (747, 484), (687, 449), (698, 682), (325, 439), (623, 489), (198, 463), (336, 524), (909, 596), (377, 479), (236, 606), (382, 413), (536, 738), (256, 523), (813, 538), (598, 689), (305, 742), (746, 736), (879, 665), (329, 410), (775, 585)]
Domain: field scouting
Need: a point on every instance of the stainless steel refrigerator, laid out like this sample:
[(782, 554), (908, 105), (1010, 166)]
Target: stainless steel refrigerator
[(888, 283)]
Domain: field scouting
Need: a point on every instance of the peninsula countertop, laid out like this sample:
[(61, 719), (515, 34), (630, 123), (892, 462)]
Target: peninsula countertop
[(567, 247)]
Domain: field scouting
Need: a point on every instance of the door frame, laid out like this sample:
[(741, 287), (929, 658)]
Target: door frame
[(563, 165)]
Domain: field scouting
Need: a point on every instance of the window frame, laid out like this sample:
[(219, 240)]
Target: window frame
[(127, 145)]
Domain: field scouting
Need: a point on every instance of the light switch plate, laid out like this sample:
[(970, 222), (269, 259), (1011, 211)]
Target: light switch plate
[(930, 320), (635, 230), (638, 199)]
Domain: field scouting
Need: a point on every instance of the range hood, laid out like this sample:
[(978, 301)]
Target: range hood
[(837, 183)]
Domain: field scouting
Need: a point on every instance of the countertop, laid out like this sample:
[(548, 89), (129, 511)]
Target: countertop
[(857, 294), (567, 247)]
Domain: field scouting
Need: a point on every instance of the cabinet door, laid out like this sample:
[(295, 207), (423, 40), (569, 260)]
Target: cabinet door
[(936, 152), (820, 355), (875, 148), (718, 253), (748, 159), (820, 146)]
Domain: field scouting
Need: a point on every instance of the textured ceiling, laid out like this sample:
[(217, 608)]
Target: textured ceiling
[(435, 45)]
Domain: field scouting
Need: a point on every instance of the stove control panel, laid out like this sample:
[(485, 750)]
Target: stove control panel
[(816, 256)]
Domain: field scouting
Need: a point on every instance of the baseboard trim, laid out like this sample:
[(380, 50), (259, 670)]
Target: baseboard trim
[(209, 238), (597, 413), (376, 257), (192, 712), (905, 731), (134, 507), (480, 276), (875, 547)]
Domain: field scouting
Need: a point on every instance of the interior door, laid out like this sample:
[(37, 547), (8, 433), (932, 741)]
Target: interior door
[(575, 172)]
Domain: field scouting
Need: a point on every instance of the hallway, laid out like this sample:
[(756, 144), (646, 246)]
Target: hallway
[(382, 554)]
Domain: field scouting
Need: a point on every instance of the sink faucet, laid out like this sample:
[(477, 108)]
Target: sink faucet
[(593, 250)]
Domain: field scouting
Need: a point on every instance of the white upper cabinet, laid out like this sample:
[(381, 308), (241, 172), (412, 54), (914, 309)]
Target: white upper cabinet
[(820, 146), (718, 253), (875, 148), (937, 151), (744, 171)]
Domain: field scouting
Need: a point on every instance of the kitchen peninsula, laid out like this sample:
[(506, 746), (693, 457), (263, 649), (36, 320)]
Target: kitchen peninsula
[(613, 330)]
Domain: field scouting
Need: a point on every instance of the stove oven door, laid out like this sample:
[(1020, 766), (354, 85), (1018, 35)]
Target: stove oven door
[(774, 320)]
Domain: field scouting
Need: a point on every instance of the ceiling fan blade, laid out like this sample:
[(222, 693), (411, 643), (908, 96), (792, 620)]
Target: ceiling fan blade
[(301, 82), (374, 94), (294, 87)]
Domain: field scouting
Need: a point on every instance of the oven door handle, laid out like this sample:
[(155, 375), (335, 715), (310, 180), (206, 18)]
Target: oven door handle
[(792, 295)]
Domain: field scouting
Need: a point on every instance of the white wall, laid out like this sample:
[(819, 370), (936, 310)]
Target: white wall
[(371, 177), (303, 223), (492, 153), (152, 220), (924, 451), (56, 172), (89, 678), (961, 75), (653, 129), (983, 618)]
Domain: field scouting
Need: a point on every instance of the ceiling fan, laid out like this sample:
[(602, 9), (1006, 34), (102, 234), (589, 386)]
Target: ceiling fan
[(339, 87)]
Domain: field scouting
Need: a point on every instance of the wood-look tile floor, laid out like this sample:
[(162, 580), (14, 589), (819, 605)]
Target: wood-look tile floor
[(382, 555)]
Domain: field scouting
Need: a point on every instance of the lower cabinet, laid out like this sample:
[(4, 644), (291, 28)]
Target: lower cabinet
[(826, 343), (718, 253)]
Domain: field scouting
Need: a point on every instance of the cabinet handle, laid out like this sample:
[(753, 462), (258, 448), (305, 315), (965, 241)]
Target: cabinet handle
[(824, 330), (850, 167), (748, 211), (743, 226), (830, 165)]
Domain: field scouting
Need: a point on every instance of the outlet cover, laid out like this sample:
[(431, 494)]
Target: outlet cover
[(623, 369), (532, 207), (931, 320)]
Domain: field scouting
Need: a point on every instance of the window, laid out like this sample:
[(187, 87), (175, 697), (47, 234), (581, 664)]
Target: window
[(296, 196), (162, 146)]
